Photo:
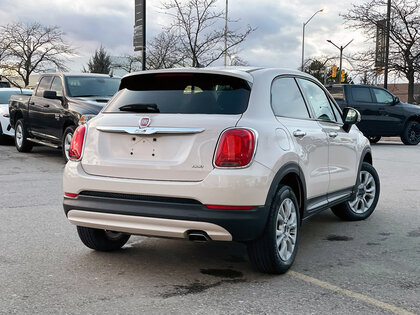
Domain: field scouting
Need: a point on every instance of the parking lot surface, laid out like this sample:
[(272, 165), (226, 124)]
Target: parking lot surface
[(368, 267)]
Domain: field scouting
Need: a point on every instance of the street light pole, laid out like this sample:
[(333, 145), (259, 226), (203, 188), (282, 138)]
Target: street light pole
[(341, 48), (303, 36), (226, 29)]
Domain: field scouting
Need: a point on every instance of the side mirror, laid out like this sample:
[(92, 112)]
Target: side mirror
[(396, 100), (350, 117), (52, 95)]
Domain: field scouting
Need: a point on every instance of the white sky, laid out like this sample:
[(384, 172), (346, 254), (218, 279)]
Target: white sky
[(275, 43)]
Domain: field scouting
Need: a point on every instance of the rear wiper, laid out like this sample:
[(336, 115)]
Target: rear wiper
[(140, 108)]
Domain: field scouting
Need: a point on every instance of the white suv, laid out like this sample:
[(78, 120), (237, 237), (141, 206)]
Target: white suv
[(218, 154)]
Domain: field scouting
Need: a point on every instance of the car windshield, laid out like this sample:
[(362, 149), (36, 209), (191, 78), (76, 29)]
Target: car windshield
[(183, 93), (80, 86), (5, 95)]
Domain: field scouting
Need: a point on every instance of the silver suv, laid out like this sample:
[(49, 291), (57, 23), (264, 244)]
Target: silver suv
[(218, 154)]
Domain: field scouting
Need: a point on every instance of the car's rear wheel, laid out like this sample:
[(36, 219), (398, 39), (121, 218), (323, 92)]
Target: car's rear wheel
[(374, 139), (102, 240), (276, 250), (21, 142), (411, 133), (366, 199), (66, 141)]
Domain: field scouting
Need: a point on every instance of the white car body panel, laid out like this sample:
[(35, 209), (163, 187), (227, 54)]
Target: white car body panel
[(4, 110)]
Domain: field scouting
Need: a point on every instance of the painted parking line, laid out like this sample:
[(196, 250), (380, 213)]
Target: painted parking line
[(355, 295)]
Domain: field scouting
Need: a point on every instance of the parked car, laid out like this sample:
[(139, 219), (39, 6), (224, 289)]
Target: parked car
[(6, 130), (59, 103), (383, 114), (218, 154), (4, 84)]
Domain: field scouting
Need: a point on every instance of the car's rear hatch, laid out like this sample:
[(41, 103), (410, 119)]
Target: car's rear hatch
[(164, 126)]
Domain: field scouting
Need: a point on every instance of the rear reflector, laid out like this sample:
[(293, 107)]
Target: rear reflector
[(236, 148), (76, 147), (230, 207), (70, 195)]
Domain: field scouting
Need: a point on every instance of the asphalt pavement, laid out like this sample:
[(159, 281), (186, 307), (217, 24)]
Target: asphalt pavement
[(368, 267)]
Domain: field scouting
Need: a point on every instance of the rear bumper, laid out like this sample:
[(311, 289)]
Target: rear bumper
[(165, 218)]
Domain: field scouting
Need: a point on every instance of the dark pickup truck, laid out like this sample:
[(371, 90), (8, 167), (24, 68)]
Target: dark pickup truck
[(383, 114), (59, 103)]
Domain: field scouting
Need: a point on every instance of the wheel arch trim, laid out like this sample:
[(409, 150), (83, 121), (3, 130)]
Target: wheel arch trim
[(287, 169)]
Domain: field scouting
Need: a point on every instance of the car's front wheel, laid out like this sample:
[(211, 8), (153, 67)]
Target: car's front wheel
[(411, 133), (275, 251), (374, 139), (21, 142), (66, 141), (366, 199), (102, 240)]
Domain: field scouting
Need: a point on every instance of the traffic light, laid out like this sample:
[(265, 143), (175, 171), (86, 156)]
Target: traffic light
[(334, 71), (343, 75)]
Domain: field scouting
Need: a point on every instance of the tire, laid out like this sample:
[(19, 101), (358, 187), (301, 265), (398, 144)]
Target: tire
[(374, 139), (264, 253), (21, 134), (66, 141), (366, 199), (411, 133), (3, 138), (102, 240)]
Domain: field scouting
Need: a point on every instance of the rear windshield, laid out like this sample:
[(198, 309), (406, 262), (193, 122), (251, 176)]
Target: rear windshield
[(91, 86), (182, 93), (337, 92)]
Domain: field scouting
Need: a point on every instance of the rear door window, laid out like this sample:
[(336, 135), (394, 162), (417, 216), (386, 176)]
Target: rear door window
[(183, 93), (286, 99), (361, 94)]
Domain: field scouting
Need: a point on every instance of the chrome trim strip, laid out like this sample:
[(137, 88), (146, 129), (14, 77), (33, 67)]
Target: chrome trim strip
[(146, 225), (148, 130)]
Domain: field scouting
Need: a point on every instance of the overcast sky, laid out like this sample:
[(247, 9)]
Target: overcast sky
[(275, 43)]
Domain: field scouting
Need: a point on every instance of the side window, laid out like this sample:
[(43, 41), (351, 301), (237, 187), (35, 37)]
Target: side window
[(361, 94), (43, 85), (286, 99), (383, 96), (56, 86), (318, 100)]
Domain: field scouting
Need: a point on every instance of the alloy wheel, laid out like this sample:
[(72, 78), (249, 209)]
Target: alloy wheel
[(19, 135), (365, 194), (286, 231)]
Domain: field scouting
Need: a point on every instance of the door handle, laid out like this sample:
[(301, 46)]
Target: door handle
[(332, 134), (46, 105), (32, 103), (299, 133)]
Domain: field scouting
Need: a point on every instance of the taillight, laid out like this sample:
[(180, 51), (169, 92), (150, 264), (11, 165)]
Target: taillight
[(236, 148), (76, 147)]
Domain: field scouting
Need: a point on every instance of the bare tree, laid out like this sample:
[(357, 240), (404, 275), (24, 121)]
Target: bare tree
[(404, 33), (30, 48), (164, 51), (200, 30), (128, 63)]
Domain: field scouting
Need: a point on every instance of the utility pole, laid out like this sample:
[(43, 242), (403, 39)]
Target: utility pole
[(143, 63), (341, 48), (226, 31), (388, 27)]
